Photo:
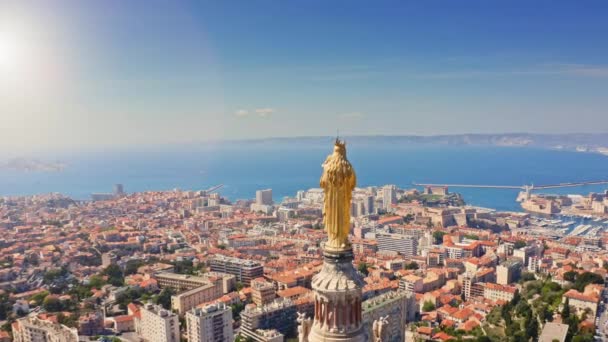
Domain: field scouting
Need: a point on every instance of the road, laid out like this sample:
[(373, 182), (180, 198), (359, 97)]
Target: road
[(602, 318)]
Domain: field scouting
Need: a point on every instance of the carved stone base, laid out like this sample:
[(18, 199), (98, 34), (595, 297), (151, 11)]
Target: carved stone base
[(324, 336), (345, 250), (337, 289)]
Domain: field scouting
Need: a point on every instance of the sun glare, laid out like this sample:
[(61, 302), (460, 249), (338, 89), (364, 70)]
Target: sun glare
[(27, 59), (11, 53)]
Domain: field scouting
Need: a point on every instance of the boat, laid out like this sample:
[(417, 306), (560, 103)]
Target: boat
[(580, 229)]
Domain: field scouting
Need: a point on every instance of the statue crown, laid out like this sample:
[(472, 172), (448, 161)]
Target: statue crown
[(340, 146)]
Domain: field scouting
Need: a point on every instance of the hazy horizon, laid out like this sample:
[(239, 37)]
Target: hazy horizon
[(113, 74)]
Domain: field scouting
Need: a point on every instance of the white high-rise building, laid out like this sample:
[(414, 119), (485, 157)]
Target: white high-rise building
[(33, 329), (212, 323), (300, 195), (389, 196), (369, 205), (508, 272), (263, 197), (158, 324)]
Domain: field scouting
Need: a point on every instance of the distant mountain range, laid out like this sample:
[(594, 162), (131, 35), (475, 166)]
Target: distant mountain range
[(24, 164), (580, 142)]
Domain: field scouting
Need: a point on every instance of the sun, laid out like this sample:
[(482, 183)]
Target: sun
[(8, 50), (12, 54)]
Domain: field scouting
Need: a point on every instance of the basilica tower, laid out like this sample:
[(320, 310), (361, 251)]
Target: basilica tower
[(337, 288)]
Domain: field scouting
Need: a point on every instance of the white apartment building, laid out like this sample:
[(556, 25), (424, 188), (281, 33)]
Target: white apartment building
[(411, 283), (404, 244), (212, 323), (184, 301), (263, 197), (33, 329), (158, 324), (498, 292)]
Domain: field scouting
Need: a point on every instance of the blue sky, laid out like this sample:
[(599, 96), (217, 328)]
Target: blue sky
[(125, 73)]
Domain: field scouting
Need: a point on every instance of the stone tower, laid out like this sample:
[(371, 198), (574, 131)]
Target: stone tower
[(337, 288)]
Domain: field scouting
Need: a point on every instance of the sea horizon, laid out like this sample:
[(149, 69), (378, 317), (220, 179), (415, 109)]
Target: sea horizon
[(287, 168)]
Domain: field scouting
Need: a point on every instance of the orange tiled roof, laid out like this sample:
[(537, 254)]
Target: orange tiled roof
[(425, 330), (574, 294), (293, 291)]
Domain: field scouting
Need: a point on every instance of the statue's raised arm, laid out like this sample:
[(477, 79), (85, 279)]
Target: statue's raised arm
[(338, 182)]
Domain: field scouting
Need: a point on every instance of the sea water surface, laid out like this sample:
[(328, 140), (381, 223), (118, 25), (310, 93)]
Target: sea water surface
[(287, 167)]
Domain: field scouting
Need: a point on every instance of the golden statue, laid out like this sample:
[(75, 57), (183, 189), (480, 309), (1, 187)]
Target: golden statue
[(338, 182)]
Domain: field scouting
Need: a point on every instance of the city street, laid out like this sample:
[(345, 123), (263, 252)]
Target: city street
[(602, 318)]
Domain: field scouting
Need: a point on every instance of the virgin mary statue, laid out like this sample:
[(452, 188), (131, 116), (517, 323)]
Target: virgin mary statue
[(338, 182)]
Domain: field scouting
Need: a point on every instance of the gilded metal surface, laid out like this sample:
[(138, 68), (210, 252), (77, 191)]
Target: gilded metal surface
[(338, 182)]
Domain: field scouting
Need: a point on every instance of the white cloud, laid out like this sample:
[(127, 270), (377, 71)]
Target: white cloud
[(577, 70), (241, 113), (352, 116), (259, 112), (264, 112), (587, 70)]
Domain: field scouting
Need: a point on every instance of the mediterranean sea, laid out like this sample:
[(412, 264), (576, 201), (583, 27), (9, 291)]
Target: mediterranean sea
[(287, 166)]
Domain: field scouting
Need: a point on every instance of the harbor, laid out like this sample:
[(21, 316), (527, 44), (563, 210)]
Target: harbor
[(560, 226)]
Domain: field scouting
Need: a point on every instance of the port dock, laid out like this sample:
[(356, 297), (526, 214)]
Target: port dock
[(517, 187)]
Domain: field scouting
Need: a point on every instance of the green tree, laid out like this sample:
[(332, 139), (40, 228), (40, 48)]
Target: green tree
[(527, 276), (70, 320), (51, 304), (438, 236), (585, 279), (241, 338), (164, 298), (115, 275), (81, 292), (363, 268), (566, 310), (39, 297), (239, 286), (236, 310), (582, 338), (532, 328), (129, 296), (570, 276), (572, 322), (428, 306), (132, 266), (471, 236), (183, 267), (520, 244), (516, 299), (96, 282), (412, 266), (54, 275), (5, 306)]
